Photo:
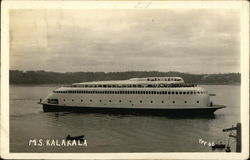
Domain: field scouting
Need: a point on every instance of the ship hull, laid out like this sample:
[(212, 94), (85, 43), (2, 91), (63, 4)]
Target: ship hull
[(148, 111)]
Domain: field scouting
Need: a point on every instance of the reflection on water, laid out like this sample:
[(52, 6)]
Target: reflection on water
[(115, 132)]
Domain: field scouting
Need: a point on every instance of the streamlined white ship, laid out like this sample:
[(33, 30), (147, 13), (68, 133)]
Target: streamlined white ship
[(156, 95)]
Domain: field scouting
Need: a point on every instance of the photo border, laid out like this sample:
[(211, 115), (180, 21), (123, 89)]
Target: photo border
[(7, 5)]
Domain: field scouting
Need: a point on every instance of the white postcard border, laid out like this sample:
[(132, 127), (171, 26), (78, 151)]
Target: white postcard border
[(7, 5)]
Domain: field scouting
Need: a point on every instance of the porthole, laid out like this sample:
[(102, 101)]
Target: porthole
[(90, 100), (100, 100), (151, 101), (72, 100), (120, 101), (162, 101), (81, 100), (140, 101), (109, 100), (198, 101), (130, 101), (185, 101), (173, 101)]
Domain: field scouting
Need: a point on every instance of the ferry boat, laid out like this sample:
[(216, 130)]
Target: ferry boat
[(153, 95)]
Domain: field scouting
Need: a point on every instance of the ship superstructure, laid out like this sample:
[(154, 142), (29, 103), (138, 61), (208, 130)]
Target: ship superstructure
[(150, 94)]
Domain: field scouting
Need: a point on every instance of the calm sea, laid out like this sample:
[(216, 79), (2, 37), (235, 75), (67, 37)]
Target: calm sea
[(119, 133)]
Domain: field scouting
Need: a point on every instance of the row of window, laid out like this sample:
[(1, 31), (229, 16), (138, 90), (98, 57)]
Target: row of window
[(130, 101), (132, 92), (133, 86)]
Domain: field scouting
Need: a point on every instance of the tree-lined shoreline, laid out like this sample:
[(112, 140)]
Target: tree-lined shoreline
[(45, 77)]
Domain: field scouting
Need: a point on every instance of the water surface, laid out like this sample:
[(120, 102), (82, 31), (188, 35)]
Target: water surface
[(118, 133)]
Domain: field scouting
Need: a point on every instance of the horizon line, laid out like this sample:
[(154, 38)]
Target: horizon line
[(120, 72)]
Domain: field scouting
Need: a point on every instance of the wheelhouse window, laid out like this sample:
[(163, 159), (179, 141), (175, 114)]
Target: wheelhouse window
[(53, 101)]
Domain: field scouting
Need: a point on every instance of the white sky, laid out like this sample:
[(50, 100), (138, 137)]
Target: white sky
[(184, 40)]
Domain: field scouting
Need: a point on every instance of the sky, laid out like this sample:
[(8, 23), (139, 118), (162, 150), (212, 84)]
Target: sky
[(200, 41)]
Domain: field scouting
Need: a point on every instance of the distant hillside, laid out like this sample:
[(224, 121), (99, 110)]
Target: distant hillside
[(43, 77)]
